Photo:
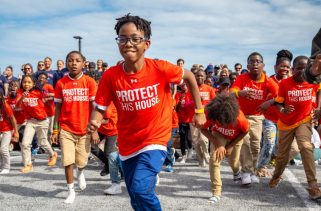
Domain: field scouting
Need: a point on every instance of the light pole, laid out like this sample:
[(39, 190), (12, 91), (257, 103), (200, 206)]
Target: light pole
[(79, 42)]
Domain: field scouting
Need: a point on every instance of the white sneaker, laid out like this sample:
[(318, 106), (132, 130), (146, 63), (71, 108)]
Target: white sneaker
[(255, 179), (190, 154), (183, 159), (5, 171), (202, 163), (71, 197), (81, 180), (114, 189), (214, 199), (157, 180), (246, 178), (297, 162)]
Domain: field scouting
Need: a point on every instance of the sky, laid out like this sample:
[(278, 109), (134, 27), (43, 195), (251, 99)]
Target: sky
[(199, 31)]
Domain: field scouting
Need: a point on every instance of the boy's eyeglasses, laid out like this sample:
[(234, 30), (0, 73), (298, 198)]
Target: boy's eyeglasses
[(132, 40), (251, 62), (41, 64)]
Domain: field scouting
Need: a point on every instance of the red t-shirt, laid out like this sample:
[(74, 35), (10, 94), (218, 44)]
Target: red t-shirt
[(300, 95), (185, 111), (273, 113), (143, 102), (109, 126), (263, 88), (49, 104), (33, 104), (207, 93), (174, 116), (5, 123), (231, 131), (75, 96), (18, 112)]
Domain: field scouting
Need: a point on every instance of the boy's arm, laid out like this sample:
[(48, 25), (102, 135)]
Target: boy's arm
[(54, 136), (15, 128), (96, 117), (212, 137), (236, 140), (199, 117)]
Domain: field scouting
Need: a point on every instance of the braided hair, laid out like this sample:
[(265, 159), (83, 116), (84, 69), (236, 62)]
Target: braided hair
[(140, 23), (284, 55), (224, 108)]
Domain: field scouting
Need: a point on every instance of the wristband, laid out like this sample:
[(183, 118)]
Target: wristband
[(237, 93), (199, 111), (55, 132)]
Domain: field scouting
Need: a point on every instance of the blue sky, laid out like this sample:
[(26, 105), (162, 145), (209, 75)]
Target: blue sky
[(202, 31)]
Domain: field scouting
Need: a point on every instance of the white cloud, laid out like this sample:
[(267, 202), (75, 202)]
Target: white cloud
[(198, 31)]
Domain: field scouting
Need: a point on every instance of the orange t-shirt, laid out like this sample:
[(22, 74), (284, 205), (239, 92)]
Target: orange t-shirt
[(231, 131), (5, 123), (300, 95), (273, 113), (207, 93), (186, 109), (109, 126), (75, 96), (263, 88), (33, 104), (18, 112), (143, 102), (49, 104), (174, 115)]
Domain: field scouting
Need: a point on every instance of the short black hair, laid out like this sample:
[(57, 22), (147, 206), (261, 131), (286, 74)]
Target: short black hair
[(224, 108), (180, 60), (254, 54), (298, 58), (140, 23), (77, 52), (238, 64)]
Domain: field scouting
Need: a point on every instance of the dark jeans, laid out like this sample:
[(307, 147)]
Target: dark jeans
[(185, 141)]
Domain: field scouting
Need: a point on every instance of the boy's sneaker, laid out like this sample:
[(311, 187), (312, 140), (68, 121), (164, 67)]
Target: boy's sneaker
[(183, 159), (246, 178), (190, 154), (172, 155), (5, 171), (81, 179), (263, 172), (254, 179), (53, 159), (214, 199), (274, 182), (169, 169), (27, 168), (114, 189), (314, 192), (237, 177), (71, 197)]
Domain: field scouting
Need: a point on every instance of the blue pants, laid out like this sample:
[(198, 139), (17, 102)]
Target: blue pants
[(140, 177), (170, 153), (269, 139)]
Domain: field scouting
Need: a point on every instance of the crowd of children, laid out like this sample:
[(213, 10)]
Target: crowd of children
[(138, 106)]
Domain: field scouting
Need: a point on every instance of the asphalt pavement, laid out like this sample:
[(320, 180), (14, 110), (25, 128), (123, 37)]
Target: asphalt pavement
[(188, 188)]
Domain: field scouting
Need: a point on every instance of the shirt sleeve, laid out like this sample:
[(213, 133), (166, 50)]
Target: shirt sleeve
[(281, 93), (104, 92), (8, 110), (92, 89), (173, 73), (273, 88), (244, 124), (58, 93)]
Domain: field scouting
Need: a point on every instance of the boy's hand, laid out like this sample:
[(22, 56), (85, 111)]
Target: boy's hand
[(92, 126), (15, 137), (54, 138), (199, 120), (95, 138), (228, 151), (220, 153)]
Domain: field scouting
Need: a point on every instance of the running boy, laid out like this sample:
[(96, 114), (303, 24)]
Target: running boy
[(140, 90), (73, 95)]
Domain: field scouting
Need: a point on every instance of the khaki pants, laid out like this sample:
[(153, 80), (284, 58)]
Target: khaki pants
[(303, 135), (251, 146), (200, 143), (5, 139), (75, 149), (50, 127), (215, 165), (41, 129)]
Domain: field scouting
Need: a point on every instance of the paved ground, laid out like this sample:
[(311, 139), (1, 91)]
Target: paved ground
[(185, 189)]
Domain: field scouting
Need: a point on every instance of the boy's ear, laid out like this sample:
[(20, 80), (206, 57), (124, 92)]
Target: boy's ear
[(147, 44)]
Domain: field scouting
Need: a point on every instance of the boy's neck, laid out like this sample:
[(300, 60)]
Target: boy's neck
[(132, 68), (256, 77)]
